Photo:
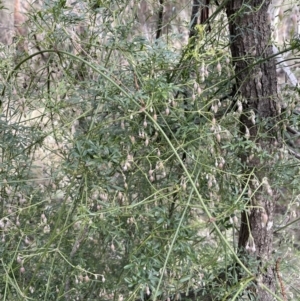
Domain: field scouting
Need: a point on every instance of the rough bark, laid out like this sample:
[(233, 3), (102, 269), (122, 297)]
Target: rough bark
[(256, 82)]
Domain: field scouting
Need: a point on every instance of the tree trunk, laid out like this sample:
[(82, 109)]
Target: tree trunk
[(12, 18), (6, 22), (256, 82)]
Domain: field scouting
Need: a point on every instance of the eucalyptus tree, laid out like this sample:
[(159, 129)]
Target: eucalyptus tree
[(256, 81)]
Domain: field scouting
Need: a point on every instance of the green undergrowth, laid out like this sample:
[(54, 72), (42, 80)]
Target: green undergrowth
[(121, 174)]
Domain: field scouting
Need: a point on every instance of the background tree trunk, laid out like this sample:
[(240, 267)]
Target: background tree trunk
[(7, 22), (12, 19), (256, 81)]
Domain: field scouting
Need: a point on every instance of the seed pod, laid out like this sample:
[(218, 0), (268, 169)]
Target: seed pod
[(112, 247), (147, 290), (193, 97), (240, 106), (219, 68), (235, 220), (247, 133), (132, 139), (199, 90)]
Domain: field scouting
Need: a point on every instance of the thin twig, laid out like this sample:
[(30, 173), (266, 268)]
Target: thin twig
[(160, 19), (75, 247), (292, 131), (194, 21), (280, 279), (295, 154)]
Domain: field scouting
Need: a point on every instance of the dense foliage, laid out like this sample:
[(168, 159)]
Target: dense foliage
[(121, 171)]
